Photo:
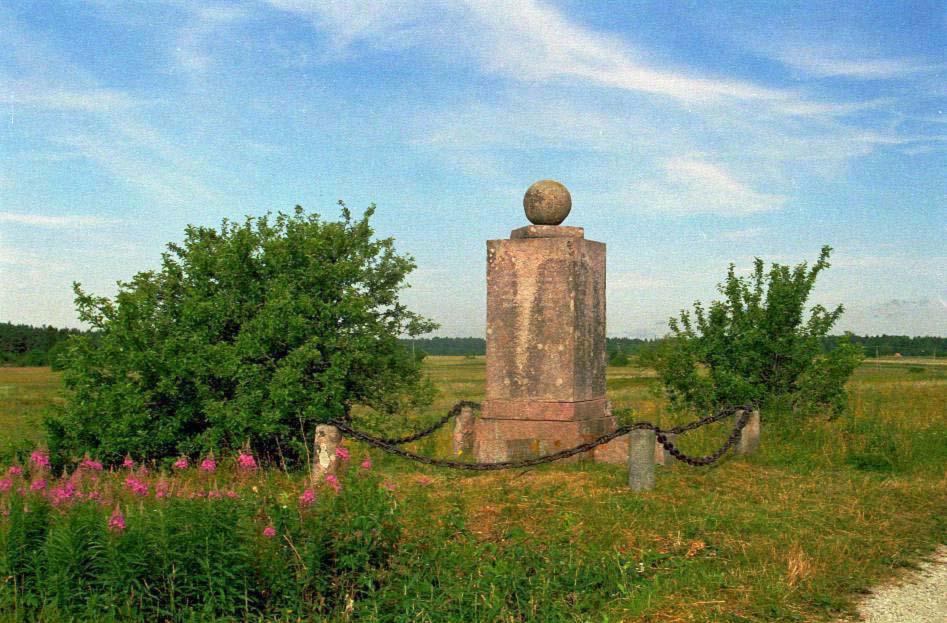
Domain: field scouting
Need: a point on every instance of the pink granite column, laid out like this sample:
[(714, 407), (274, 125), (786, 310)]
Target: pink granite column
[(545, 336)]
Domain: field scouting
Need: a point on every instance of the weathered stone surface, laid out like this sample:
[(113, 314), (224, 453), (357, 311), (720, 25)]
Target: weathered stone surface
[(545, 319), (641, 460), (463, 440), (547, 202), (661, 456), (545, 410), (506, 440), (750, 437), (327, 440), (547, 231)]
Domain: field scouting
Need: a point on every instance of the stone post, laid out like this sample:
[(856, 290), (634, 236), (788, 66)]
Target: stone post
[(463, 441), (750, 439), (641, 460), (661, 456), (325, 461)]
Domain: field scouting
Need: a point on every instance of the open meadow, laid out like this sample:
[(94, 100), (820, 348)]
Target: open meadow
[(796, 532)]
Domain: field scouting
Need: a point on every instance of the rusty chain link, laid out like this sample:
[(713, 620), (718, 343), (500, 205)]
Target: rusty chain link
[(390, 445)]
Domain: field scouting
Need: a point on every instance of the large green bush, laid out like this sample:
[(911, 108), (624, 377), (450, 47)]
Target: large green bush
[(758, 345), (248, 334)]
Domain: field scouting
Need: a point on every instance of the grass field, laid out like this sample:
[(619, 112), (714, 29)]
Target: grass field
[(796, 532)]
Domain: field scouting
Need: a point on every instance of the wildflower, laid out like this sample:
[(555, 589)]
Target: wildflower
[(39, 459), (246, 461), (38, 485), (62, 493), (269, 532), (94, 495), (424, 480), (367, 463), (6, 484), (209, 465), (389, 485), (136, 486), (342, 453), (181, 463), (307, 498), (333, 482), (91, 464), (117, 521), (15, 470), (161, 489), (213, 495), (231, 494), (128, 463)]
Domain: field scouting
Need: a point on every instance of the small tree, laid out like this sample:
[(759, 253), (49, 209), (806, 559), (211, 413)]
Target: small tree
[(250, 333), (756, 346)]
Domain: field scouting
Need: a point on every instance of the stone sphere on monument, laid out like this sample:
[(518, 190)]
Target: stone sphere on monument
[(547, 202)]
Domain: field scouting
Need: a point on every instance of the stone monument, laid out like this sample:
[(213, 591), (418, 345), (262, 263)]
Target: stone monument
[(545, 335)]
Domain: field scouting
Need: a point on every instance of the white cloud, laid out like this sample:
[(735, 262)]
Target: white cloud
[(742, 234), (825, 63), (696, 186), (54, 222), (190, 47), (526, 41)]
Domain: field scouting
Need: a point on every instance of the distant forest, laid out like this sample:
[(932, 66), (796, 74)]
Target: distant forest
[(25, 345), (875, 346)]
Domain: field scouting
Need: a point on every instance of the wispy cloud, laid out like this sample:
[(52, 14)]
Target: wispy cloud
[(825, 63), (697, 186), (190, 46), (55, 222)]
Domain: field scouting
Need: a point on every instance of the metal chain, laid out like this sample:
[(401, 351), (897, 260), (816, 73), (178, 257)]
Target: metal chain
[(391, 448), (454, 412)]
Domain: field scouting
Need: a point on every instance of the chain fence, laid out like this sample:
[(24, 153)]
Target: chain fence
[(390, 445)]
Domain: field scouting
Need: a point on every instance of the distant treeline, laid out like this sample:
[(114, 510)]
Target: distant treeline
[(874, 345), (25, 345), (889, 345)]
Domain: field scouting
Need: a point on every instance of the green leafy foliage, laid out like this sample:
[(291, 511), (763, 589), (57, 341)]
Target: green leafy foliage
[(757, 345), (248, 334)]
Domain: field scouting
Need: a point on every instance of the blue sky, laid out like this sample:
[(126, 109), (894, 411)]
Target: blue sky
[(690, 134)]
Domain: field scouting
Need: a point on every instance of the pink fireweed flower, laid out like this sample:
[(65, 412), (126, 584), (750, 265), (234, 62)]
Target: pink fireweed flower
[(39, 459), (307, 498), (128, 463), (246, 461), (232, 495), (389, 485), (209, 465), (91, 464), (342, 453), (117, 521), (38, 485), (94, 495), (63, 493), (333, 482), (15, 470), (181, 463), (367, 463), (269, 532), (213, 495), (136, 486), (6, 484), (161, 489)]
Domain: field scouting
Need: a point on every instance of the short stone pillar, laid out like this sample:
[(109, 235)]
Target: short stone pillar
[(661, 456), (641, 459), (326, 442), (750, 437), (463, 440), (545, 336)]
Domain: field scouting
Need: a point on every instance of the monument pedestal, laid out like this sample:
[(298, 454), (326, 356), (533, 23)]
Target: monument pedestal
[(545, 344)]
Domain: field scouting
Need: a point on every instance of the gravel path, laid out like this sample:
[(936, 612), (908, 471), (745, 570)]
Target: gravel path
[(920, 598)]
